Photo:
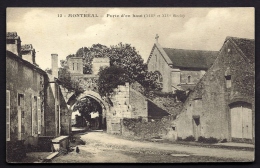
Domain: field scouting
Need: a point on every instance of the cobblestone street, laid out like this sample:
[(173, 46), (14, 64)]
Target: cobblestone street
[(102, 147)]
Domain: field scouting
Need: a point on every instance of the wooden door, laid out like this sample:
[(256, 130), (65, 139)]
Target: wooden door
[(247, 123), (241, 122)]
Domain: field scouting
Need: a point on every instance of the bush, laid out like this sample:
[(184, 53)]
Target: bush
[(212, 140), (189, 138), (207, 140), (202, 139), (223, 140), (179, 138)]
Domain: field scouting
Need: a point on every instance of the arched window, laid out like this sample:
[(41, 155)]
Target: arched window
[(189, 79), (159, 77)]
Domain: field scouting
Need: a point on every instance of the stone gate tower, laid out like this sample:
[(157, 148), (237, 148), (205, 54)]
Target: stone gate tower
[(75, 65)]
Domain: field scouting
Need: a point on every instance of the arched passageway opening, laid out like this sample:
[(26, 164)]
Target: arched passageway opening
[(88, 110), (89, 114)]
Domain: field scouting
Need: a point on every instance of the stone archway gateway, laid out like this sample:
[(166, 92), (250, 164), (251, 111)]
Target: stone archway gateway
[(94, 95)]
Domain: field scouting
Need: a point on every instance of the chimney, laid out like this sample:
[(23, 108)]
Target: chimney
[(28, 53), (13, 43), (54, 65)]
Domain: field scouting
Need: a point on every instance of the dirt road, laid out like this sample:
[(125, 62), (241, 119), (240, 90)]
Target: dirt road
[(105, 148)]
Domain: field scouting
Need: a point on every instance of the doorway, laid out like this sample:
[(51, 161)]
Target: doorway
[(196, 126), (241, 122)]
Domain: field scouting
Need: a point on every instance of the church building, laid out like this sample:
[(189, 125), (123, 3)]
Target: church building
[(179, 69)]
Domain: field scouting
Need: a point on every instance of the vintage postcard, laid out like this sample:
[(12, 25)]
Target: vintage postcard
[(130, 85)]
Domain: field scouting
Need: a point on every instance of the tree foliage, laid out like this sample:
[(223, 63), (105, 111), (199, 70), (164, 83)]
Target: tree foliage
[(96, 50), (67, 82), (86, 106), (110, 78), (126, 58), (122, 56)]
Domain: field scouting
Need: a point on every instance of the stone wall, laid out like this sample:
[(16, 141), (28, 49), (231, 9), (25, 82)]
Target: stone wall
[(127, 103), (140, 129), (97, 63), (195, 76), (50, 118), (138, 103), (65, 116)]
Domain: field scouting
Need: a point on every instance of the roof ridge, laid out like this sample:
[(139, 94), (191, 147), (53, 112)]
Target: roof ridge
[(231, 37), (191, 49)]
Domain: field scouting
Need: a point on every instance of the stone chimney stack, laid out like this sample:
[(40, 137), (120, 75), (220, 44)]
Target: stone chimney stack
[(28, 53), (13, 43), (54, 65)]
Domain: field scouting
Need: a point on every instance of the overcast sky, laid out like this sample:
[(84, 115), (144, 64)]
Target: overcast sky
[(194, 28)]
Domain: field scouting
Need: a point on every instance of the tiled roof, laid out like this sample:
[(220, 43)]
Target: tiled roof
[(12, 35), (247, 46), (187, 86), (154, 110), (26, 63), (183, 58)]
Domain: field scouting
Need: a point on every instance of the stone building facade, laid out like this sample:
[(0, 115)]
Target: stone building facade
[(222, 104), (179, 69), (75, 65), (33, 103)]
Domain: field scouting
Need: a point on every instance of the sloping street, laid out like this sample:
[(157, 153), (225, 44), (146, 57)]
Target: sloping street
[(105, 148)]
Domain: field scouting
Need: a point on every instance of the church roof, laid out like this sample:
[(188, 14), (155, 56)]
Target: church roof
[(247, 46), (183, 58)]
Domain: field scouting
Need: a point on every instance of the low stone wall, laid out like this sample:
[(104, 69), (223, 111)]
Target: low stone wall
[(140, 129)]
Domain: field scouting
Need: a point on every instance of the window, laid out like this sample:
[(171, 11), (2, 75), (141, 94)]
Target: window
[(34, 115), (73, 66), (228, 81), (228, 77), (77, 66), (189, 79), (20, 108), (7, 115), (159, 77), (39, 114)]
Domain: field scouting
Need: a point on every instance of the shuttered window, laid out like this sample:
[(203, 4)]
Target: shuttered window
[(39, 115), (7, 115), (20, 108), (32, 112), (34, 115)]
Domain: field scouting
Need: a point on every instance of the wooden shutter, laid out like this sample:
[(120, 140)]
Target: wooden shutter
[(39, 114), (7, 115), (32, 115)]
